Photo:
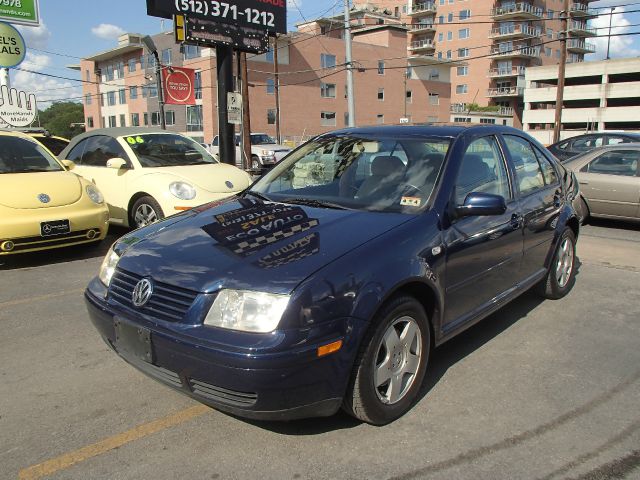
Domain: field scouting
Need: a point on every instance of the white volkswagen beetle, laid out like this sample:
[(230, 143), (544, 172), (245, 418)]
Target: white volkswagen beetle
[(147, 174)]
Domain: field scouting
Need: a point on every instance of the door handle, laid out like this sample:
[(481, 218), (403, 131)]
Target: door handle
[(517, 221), (583, 182), (557, 198)]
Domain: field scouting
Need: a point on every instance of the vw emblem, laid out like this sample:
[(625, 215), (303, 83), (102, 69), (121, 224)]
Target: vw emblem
[(44, 198), (228, 184), (142, 293)]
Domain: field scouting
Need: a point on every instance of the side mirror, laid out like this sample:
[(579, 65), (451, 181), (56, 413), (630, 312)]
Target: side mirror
[(481, 204), (117, 163), (68, 164)]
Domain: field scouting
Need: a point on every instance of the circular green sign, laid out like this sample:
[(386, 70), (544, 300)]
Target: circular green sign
[(12, 46)]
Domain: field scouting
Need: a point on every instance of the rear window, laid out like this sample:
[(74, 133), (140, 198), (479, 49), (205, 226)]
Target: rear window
[(56, 145)]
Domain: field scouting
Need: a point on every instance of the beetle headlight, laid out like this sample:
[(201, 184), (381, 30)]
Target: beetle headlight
[(247, 311), (94, 194), (108, 267), (182, 190)]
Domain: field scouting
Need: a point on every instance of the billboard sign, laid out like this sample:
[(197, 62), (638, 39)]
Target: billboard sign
[(22, 12), (266, 15), (179, 86), (17, 108), (209, 33), (12, 46)]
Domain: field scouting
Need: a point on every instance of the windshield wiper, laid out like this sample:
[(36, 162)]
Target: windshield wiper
[(257, 195), (310, 202)]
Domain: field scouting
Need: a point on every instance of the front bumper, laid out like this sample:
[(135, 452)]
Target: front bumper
[(288, 382)]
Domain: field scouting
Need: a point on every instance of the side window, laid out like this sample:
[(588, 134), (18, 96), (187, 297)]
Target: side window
[(563, 145), (548, 170), (100, 149), (75, 155), (587, 143), (215, 141), (612, 140), (529, 176), (482, 170), (623, 163)]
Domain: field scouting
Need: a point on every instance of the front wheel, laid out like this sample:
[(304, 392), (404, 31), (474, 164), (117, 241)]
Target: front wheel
[(562, 272), (255, 162), (391, 364), (145, 211)]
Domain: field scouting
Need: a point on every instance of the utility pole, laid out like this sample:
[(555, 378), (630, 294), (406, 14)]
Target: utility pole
[(349, 62), (277, 86), (561, 72), (406, 74), (224, 64), (151, 46), (609, 36), (4, 77), (246, 113)]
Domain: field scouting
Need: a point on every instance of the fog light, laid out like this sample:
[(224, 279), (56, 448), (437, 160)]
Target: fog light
[(7, 246), (91, 234), (330, 348)]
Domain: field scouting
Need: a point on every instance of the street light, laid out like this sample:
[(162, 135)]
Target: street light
[(151, 46)]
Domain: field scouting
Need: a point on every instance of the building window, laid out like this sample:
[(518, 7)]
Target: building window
[(123, 120), (268, 57), (449, 35), (381, 94), (449, 54), (328, 90), (133, 93), (197, 85), (441, 19), (122, 97), (464, 14), (550, 14), (549, 33), (462, 88), (194, 118), (120, 69), (463, 52), (271, 86), (87, 75), (155, 118), (111, 98), (170, 118), (146, 119), (90, 122), (327, 60), (450, 17), (112, 121), (409, 96), (271, 116), (380, 119), (462, 120), (135, 119), (558, 54), (166, 56), (152, 91), (441, 36), (547, 51), (328, 119), (462, 71), (87, 99), (492, 121), (434, 74), (463, 33), (380, 67), (434, 99), (409, 72), (191, 51), (132, 65)]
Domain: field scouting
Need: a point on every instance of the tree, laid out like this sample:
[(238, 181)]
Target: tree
[(59, 117)]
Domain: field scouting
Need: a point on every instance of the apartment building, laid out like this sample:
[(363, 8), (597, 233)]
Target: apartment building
[(601, 95), (120, 87), (495, 39)]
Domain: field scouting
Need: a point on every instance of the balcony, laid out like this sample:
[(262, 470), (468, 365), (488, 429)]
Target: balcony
[(515, 52), (507, 72), (513, 32), (424, 8), (422, 27), (575, 45), (487, 111), (522, 10), (580, 10), (505, 92), (580, 29), (422, 46)]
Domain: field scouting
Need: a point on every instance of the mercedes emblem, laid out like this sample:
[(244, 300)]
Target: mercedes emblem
[(142, 293)]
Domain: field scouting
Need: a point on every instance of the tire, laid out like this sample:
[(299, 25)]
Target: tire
[(255, 163), (562, 272), (375, 400), (145, 211)]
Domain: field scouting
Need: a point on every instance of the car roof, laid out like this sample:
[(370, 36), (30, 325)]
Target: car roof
[(121, 132), (440, 130), (635, 135)]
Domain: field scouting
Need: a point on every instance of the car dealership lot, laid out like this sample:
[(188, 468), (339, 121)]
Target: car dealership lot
[(541, 389)]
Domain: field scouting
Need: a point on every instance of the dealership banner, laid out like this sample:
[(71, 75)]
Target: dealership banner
[(179, 86)]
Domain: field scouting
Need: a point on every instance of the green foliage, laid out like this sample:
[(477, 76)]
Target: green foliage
[(474, 107), (59, 117)]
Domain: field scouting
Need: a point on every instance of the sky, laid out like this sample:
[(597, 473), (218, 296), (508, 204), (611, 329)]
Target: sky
[(71, 29)]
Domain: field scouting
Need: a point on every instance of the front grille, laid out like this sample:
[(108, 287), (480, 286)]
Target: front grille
[(27, 243), (222, 395), (166, 303)]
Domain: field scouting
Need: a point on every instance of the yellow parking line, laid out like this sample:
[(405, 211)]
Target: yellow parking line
[(72, 458), (22, 301)]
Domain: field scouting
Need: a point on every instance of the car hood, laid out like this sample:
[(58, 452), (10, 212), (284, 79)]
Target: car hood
[(23, 190), (244, 244), (214, 178), (272, 146)]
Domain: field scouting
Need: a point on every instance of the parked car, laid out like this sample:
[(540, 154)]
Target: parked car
[(42, 205), (610, 181), (265, 152), (328, 282), (571, 147), (53, 143), (147, 174)]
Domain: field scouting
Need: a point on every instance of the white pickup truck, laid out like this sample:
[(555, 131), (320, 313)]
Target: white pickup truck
[(265, 152)]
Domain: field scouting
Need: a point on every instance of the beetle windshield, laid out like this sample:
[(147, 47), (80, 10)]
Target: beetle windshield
[(168, 150), (19, 155), (364, 173)]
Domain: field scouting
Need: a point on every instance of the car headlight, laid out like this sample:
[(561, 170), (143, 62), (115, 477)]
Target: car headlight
[(267, 153), (182, 190), (247, 311), (108, 267), (94, 194)]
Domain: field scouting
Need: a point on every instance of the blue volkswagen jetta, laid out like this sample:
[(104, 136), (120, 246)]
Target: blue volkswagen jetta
[(328, 283)]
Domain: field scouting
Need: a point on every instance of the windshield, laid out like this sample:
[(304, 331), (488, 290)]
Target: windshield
[(262, 140), (168, 150), (19, 155), (364, 173)]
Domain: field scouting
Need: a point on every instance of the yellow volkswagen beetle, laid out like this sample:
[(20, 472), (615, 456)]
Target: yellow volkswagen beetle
[(148, 174), (42, 205)]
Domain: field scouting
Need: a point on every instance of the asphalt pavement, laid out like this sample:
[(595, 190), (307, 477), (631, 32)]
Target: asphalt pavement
[(539, 390)]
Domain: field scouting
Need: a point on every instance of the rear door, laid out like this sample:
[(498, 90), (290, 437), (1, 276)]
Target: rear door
[(611, 184)]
